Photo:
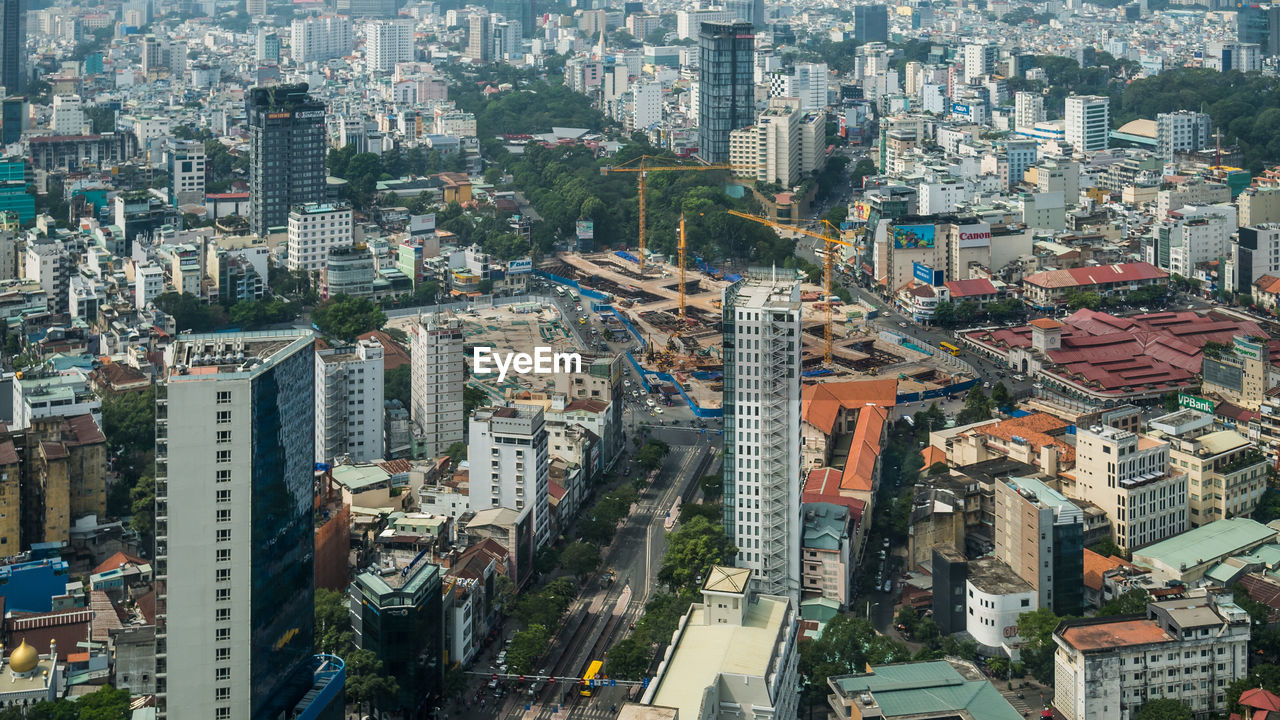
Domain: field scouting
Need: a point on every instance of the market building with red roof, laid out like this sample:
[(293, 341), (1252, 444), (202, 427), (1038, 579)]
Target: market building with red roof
[(1049, 289)]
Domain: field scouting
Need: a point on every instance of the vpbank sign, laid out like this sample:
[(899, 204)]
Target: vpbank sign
[(1191, 402)]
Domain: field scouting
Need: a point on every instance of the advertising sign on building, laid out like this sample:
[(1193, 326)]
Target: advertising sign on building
[(911, 237), (520, 267), (960, 109), (923, 273), (974, 236), (1247, 348), (1191, 402), (586, 230)]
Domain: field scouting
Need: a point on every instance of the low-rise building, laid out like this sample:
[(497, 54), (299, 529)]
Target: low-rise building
[(734, 654), (1187, 557), (948, 688), (1049, 289), (1189, 650), (994, 598), (1226, 474), (827, 548)]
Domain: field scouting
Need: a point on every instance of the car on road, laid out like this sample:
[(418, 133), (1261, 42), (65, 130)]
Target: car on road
[(888, 586), (658, 410), (626, 383), (902, 324)]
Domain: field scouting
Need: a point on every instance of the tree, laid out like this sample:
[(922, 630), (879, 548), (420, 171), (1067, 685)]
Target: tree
[(1133, 602), (1036, 628), (710, 511), (457, 451), (1265, 676), (847, 645), (691, 551), (142, 503), (472, 398), (346, 317), (526, 647), (580, 558), (649, 458), (367, 681), (332, 622), (628, 659), (1000, 396), (1107, 548), (397, 385), (977, 407), (191, 313), (712, 487), (1164, 709)]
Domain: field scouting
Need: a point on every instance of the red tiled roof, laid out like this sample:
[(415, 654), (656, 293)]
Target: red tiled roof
[(864, 451), (820, 404), (970, 288), (823, 485), (1269, 284), (393, 353), (117, 560), (1095, 275), (1260, 699)]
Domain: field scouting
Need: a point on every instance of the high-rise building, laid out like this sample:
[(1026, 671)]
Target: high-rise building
[(979, 61), (1129, 477), (314, 229), (751, 11), (234, 525), (510, 466), (508, 40), (286, 153), (68, 116), (1039, 533), (185, 160), (771, 149), (1182, 131), (726, 86), (368, 8), (810, 83), (762, 429), (479, 38), (1259, 24), (396, 615), (870, 23), (1028, 109), (349, 396), (266, 47), (14, 112), (387, 42), (255, 8), (689, 22), (1088, 122), (316, 39), (438, 379), (13, 46), (1224, 56)]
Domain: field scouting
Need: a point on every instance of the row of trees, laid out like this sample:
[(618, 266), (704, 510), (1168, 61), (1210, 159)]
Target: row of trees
[(192, 313)]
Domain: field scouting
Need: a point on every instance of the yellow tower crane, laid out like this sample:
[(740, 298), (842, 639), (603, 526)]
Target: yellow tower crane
[(828, 261), (642, 166)]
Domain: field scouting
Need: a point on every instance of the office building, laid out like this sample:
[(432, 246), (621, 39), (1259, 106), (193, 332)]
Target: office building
[(508, 40), (349, 271), (810, 84), (751, 11), (314, 230), (1259, 24), (16, 184), (396, 613), (286, 154), (1191, 235), (14, 113), (979, 61), (1227, 56), (148, 285), (1088, 123), (349, 394), (1028, 109), (1226, 474), (13, 46), (479, 38), (726, 86), (68, 116), (870, 23), (735, 654), (185, 160), (762, 429), (1039, 533), (316, 39), (510, 466), (387, 42), (266, 47), (1182, 131), (438, 378), (234, 525), (1129, 477), (368, 8), (1187, 650), (689, 22)]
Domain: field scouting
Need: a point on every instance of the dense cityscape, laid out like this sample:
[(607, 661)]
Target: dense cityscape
[(604, 359)]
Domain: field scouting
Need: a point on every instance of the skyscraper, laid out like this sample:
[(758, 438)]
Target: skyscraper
[(726, 86), (870, 23), (286, 153), (762, 429), (479, 38), (751, 11), (437, 382), (234, 525), (1088, 122), (349, 395), (387, 42), (13, 41)]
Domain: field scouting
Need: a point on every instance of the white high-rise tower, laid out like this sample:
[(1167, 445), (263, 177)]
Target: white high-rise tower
[(437, 382)]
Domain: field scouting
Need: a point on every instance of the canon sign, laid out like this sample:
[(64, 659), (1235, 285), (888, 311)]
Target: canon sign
[(975, 236)]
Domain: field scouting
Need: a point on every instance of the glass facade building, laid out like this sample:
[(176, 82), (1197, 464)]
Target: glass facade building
[(287, 147), (726, 86)]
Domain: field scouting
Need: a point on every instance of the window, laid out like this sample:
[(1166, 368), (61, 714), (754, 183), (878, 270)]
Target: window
[(224, 555), (222, 673), (224, 535), (222, 614), (1026, 602), (224, 417), (222, 634), (222, 574), (224, 436), (224, 516), (224, 397), (224, 496), (223, 476), (222, 713), (222, 654), (224, 456), (222, 594)]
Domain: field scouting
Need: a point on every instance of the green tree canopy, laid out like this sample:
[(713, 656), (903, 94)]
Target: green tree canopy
[(1133, 602), (580, 558), (1164, 709), (345, 317), (691, 551)]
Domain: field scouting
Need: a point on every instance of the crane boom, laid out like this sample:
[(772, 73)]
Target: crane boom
[(643, 168), (828, 261)]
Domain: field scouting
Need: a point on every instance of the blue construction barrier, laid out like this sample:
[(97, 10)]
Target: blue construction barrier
[(627, 256), (698, 411), (732, 278), (817, 373), (936, 393)]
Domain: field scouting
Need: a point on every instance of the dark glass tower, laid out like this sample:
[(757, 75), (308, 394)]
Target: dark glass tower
[(870, 23), (13, 40), (726, 86), (286, 153)]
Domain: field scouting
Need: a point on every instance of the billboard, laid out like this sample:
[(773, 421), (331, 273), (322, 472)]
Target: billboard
[(586, 230), (1247, 348), (974, 236), (926, 274), (520, 267), (1191, 402), (960, 109), (860, 211), (911, 237)]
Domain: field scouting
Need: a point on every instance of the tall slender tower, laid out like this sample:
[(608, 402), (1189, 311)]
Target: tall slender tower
[(234, 525), (438, 379), (13, 41), (762, 429), (286, 153), (726, 86)]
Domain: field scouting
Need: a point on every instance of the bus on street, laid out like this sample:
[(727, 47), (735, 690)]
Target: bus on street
[(949, 347), (593, 673)]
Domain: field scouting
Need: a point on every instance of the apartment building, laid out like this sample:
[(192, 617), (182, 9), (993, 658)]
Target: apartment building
[(314, 229), (349, 395), (1129, 477), (510, 465)]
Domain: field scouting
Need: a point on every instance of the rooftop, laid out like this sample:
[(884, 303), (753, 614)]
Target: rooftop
[(1114, 634), (704, 652), (196, 356), (993, 577), (1205, 543), (1046, 495), (928, 689)]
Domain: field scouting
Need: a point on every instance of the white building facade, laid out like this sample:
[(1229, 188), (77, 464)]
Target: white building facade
[(349, 396), (510, 465), (314, 229), (437, 384)]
